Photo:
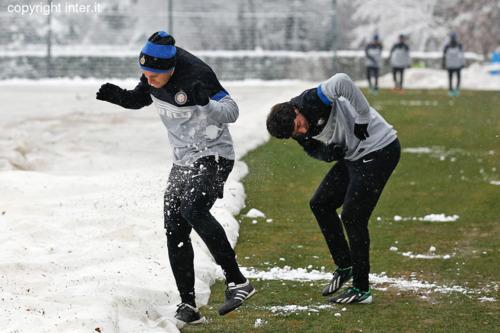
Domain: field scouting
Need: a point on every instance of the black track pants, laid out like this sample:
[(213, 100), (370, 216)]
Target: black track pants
[(356, 186), (398, 81), (450, 78), (190, 193), (372, 72)]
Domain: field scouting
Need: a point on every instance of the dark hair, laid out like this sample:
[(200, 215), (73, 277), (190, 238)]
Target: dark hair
[(280, 120)]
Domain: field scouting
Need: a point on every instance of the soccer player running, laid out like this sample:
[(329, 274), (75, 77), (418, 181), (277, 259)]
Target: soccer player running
[(453, 61), (195, 109), (335, 122), (400, 59), (373, 53)]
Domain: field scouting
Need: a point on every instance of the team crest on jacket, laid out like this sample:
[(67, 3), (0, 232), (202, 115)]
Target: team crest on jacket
[(180, 98)]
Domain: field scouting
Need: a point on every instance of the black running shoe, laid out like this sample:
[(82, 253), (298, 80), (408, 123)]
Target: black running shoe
[(353, 295), (235, 295), (340, 276), (188, 314)]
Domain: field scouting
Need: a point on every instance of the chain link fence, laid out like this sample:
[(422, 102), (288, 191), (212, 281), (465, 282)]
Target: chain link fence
[(92, 38)]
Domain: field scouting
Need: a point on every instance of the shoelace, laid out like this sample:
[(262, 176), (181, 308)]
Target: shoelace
[(182, 306), (230, 292)]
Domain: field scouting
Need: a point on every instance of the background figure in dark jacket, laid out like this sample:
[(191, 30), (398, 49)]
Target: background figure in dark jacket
[(453, 61), (196, 110), (334, 122), (400, 59), (373, 53)]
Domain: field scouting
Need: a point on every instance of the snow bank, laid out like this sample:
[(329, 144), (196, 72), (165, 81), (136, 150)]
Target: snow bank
[(474, 77), (82, 243)]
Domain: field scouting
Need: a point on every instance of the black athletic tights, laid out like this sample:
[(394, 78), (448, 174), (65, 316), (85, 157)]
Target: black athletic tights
[(356, 186), (191, 192)]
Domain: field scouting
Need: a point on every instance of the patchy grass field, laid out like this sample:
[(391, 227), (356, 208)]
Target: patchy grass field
[(456, 174)]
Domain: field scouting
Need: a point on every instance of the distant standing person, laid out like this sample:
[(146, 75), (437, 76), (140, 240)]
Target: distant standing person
[(196, 110), (453, 61), (400, 59), (373, 52)]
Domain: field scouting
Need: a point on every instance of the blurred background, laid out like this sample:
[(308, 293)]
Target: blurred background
[(241, 39)]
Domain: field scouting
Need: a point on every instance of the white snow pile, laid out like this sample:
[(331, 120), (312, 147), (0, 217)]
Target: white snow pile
[(255, 213), (475, 77), (429, 218), (82, 243)]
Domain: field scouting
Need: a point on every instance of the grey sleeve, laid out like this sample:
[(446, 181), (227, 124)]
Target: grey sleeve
[(224, 110), (341, 85)]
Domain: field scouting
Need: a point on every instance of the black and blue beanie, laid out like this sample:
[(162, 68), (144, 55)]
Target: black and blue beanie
[(158, 55)]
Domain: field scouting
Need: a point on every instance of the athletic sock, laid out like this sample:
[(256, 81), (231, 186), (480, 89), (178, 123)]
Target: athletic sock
[(188, 298), (235, 276)]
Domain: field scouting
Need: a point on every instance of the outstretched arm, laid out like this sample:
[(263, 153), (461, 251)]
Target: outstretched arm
[(129, 99)]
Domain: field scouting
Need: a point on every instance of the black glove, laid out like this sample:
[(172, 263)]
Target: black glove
[(338, 152), (361, 131), (110, 93), (200, 94)]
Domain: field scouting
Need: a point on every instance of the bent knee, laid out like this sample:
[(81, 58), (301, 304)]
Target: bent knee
[(318, 205)]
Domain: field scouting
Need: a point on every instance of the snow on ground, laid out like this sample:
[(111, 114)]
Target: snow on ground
[(429, 218), (286, 310), (82, 243), (412, 255), (474, 77), (259, 323), (379, 281), (255, 213), (430, 255), (292, 308)]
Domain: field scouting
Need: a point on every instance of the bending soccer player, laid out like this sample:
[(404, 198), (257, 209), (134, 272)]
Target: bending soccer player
[(334, 122), (195, 109)]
